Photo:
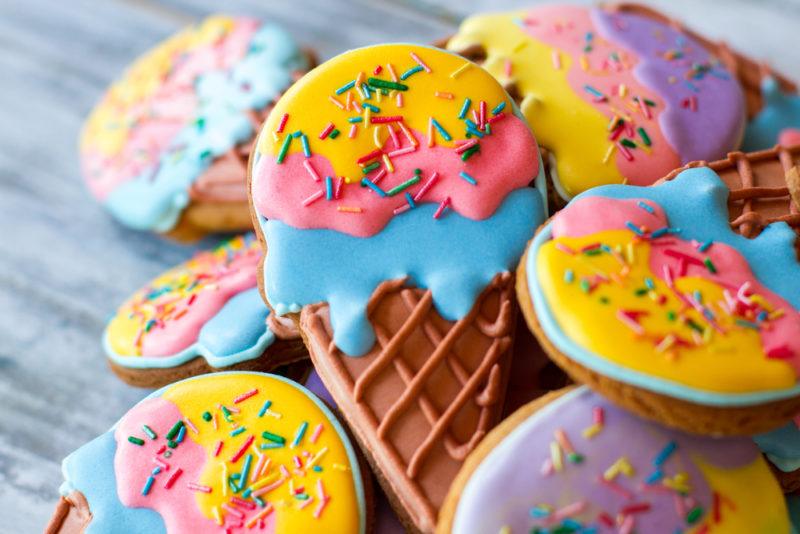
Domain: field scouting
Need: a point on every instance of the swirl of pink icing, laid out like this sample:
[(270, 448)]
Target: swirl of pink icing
[(594, 214), (508, 161)]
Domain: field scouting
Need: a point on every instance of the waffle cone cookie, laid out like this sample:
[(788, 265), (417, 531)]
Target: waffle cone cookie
[(233, 451), (673, 314), (202, 316), (394, 214), (166, 148), (615, 93), (591, 467)]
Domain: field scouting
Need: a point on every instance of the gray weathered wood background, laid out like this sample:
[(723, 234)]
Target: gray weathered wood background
[(65, 265)]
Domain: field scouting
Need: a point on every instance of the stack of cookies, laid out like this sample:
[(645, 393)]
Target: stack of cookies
[(403, 204)]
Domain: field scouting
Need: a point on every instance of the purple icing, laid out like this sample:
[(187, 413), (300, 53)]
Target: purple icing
[(509, 482), (717, 125)]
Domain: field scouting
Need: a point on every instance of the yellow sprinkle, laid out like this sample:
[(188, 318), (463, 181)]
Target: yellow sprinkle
[(460, 69), (349, 209), (217, 516), (340, 467), (316, 457), (522, 44), (224, 478), (505, 530), (623, 90), (761, 301), (269, 479), (376, 136), (666, 343), (592, 431), (622, 465), (388, 163), (359, 79), (367, 115), (777, 314), (555, 456), (584, 62), (609, 152), (379, 96)]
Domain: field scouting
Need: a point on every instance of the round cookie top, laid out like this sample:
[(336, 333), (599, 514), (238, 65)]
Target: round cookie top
[(177, 108), (208, 306), (390, 162), (372, 132), (617, 97), (583, 465), (705, 314), (231, 451)]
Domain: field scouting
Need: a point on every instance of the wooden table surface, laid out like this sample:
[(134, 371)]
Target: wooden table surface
[(65, 265)]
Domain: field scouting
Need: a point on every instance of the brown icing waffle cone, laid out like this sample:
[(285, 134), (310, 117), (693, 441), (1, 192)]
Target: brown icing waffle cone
[(426, 394), (765, 188)]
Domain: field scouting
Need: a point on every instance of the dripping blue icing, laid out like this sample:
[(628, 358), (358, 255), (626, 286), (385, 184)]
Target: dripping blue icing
[(455, 257), (781, 111), (696, 202), (782, 446), (155, 199), (237, 333)]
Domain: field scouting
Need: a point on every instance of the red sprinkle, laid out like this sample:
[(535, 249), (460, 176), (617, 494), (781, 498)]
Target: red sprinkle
[(383, 120), (327, 131), (636, 508), (240, 452), (246, 395), (375, 154), (282, 124)]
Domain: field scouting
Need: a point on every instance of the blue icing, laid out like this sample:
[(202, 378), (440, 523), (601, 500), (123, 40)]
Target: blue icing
[(793, 504), (696, 202), (155, 199), (781, 110), (455, 257), (90, 470), (782, 447), (237, 333)]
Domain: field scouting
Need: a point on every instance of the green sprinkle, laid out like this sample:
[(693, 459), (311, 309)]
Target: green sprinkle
[(135, 440), (284, 148), (671, 315), (628, 143), (334, 134), (172, 444), (149, 432), (710, 265), (175, 429), (641, 291), (206, 416), (694, 326), (575, 458), (371, 167), (417, 171), (593, 251), (469, 152), (205, 154), (645, 138), (386, 84), (408, 183), (200, 123), (302, 496), (585, 287), (604, 300), (273, 437), (694, 515), (226, 413)]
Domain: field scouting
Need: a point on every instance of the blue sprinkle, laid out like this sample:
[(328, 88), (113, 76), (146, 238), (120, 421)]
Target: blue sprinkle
[(148, 485), (300, 433), (698, 296), (660, 232), (593, 91), (264, 408), (181, 434), (762, 316), (635, 229), (410, 72), (497, 109), (346, 87), (649, 283), (654, 477), (691, 86), (375, 109), (410, 200), (353, 120), (468, 178), (441, 129), (238, 431), (265, 446), (569, 276), (306, 148), (297, 134), (157, 470), (317, 468), (746, 324), (329, 188), (646, 207), (705, 246), (464, 108), (665, 453), (373, 186)]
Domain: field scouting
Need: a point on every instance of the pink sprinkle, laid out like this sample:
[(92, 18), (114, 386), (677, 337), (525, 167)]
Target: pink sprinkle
[(317, 432), (625, 152), (311, 170), (693, 103), (231, 510), (408, 134), (508, 68), (426, 186), (313, 198), (386, 119), (645, 108), (232, 409), (442, 207), (189, 421), (305, 503), (547, 468), (258, 468), (353, 131), (337, 192), (401, 151), (357, 106), (282, 124), (235, 458), (556, 57), (336, 102), (393, 134), (241, 503), (270, 487), (567, 511), (627, 525), (401, 209), (198, 487), (320, 507), (284, 471), (171, 480), (297, 462), (321, 490), (500, 116), (464, 146), (565, 248), (326, 131), (616, 488), (161, 463), (378, 177), (246, 395), (218, 448), (399, 100), (630, 323), (598, 415), (215, 421), (680, 506), (421, 63), (742, 293)]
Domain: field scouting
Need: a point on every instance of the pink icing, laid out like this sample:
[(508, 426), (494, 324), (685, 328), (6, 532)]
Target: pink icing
[(565, 28), (162, 115), (593, 214), (133, 464), (508, 161), (172, 336), (789, 137)]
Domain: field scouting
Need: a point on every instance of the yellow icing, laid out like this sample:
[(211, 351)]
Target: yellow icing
[(294, 407), (731, 363), (562, 121), (125, 331), (310, 110), (106, 129), (759, 502)]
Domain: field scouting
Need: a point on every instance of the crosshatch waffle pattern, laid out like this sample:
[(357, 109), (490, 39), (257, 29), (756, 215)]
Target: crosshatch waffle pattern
[(430, 389), (765, 188)]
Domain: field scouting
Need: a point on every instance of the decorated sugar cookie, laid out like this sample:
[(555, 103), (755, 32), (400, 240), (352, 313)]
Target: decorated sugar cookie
[(779, 120), (648, 296), (166, 148), (615, 95), (235, 452), (574, 462), (393, 188), (204, 315)]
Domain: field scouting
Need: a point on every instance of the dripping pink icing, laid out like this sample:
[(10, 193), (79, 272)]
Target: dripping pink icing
[(789, 137), (167, 110), (508, 161), (565, 28), (133, 463), (594, 214)]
